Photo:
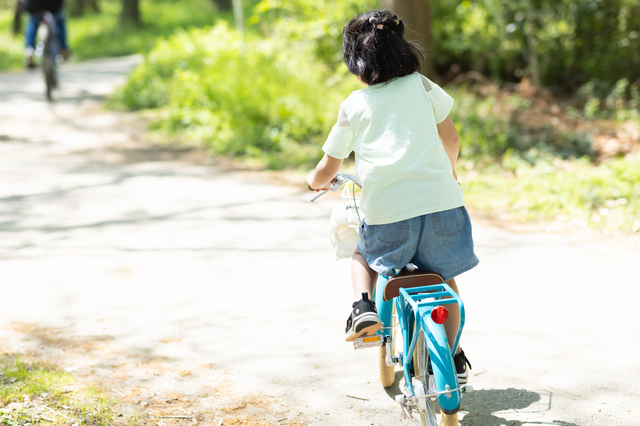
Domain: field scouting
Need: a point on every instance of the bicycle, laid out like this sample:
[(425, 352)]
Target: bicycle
[(49, 49), (411, 306)]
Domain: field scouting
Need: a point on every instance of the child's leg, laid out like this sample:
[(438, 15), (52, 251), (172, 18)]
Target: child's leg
[(32, 31), (362, 276), (61, 26), (453, 322), (364, 320), (451, 328)]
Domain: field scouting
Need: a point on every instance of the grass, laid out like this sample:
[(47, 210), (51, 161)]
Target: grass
[(11, 48), (573, 192), (34, 393), (102, 35)]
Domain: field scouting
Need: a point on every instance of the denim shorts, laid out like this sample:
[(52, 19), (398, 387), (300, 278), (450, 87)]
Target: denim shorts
[(438, 242)]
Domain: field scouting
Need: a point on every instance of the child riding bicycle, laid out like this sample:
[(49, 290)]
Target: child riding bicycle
[(406, 147), (35, 9)]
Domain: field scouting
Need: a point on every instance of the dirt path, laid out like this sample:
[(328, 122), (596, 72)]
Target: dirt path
[(186, 287)]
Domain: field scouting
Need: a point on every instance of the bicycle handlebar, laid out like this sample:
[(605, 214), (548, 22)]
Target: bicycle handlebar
[(340, 180)]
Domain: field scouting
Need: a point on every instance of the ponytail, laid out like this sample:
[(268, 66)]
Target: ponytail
[(374, 48)]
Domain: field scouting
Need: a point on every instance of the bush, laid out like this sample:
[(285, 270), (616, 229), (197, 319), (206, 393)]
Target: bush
[(268, 99), (493, 124), (576, 191), (575, 42)]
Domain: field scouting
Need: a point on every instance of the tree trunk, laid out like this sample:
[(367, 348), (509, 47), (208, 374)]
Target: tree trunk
[(530, 19), (17, 18), (416, 15), (222, 4), (130, 12)]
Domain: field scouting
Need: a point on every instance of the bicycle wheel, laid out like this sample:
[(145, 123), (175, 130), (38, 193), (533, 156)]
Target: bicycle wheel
[(388, 373), (49, 64), (427, 409), (49, 74), (425, 406)]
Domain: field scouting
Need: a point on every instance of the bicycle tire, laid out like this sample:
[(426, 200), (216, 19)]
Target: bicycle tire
[(49, 65), (388, 373), (49, 76), (427, 409)]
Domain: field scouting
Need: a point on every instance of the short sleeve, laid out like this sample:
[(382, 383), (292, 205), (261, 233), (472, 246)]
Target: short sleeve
[(339, 142), (440, 100)]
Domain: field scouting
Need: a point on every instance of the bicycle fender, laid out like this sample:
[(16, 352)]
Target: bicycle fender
[(444, 370)]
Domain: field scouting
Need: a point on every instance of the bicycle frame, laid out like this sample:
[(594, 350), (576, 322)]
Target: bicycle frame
[(48, 49), (49, 41), (413, 308)]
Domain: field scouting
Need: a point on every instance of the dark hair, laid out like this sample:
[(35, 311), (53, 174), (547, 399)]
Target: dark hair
[(374, 48)]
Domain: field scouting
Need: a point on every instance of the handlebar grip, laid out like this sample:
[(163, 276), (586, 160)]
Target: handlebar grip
[(320, 194)]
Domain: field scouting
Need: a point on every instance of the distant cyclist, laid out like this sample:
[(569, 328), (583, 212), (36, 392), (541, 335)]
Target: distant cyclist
[(35, 9)]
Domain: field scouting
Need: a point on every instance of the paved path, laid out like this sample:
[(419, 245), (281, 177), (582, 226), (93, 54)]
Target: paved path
[(136, 265)]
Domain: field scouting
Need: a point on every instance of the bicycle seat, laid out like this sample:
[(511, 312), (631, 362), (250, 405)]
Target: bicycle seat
[(409, 278)]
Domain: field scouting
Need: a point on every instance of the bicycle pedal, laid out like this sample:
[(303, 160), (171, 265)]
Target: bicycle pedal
[(368, 342)]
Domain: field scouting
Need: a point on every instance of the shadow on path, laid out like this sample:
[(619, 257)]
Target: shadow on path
[(495, 407)]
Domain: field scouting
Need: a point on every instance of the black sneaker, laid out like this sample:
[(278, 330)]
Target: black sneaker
[(461, 362), (364, 320)]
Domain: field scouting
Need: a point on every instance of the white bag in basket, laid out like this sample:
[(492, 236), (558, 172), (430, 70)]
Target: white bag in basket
[(343, 237), (344, 223)]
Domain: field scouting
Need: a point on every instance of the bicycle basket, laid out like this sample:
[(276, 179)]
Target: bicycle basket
[(345, 220)]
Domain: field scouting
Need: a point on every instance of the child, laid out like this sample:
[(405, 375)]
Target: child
[(406, 147)]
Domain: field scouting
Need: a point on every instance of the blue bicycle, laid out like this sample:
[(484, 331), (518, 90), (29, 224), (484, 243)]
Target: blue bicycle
[(412, 307)]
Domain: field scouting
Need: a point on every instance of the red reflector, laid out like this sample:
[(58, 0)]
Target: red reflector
[(439, 314)]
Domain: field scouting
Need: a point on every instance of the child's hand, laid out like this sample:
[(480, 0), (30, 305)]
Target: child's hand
[(325, 187)]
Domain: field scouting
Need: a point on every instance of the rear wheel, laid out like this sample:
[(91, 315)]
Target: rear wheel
[(49, 76), (388, 373), (426, 407), (49, 66)]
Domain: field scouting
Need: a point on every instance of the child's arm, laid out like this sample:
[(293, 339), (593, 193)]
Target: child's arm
[(320, 179), (450, 141)]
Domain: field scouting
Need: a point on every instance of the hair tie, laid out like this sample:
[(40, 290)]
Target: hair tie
[(397, 21), (378, 26)]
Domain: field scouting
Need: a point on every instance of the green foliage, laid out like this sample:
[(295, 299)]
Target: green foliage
[(11, 48), (318, 24), (27, 388), (576, 191), (273, 99), (493, 124), (575, 41), (18, 379), (620, 102), (101, 34)]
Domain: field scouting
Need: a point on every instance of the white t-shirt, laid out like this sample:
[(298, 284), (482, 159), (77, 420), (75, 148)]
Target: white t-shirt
[(392, 128)]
